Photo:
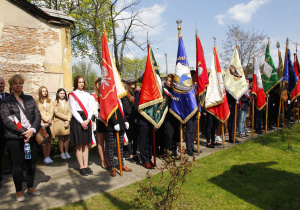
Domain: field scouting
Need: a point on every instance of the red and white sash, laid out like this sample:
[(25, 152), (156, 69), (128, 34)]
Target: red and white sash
[(93, 143)]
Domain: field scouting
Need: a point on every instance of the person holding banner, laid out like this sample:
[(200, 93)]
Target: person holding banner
[(171, 124), (128, 104), (22, 119), (116, 123), (81, 132)]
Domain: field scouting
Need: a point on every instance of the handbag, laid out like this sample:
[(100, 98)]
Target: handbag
[(41, 136)]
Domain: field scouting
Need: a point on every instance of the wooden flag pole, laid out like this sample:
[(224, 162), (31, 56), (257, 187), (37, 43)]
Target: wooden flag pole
[(294, 112), (235, 112), (283, 112), (266, 128), (181, 135), (252, 124), (279, 111), (223, 139), (154, 148), (198, 132), (119, 149)]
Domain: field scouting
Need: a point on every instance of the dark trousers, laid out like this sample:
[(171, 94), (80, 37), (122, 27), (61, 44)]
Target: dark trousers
[(3, 143), (132, 138), (111, 140), (257, 118), (190, 130), (16, 148), (211, 126), (203, 123), (171, 134), (231, 124), (146, 142)]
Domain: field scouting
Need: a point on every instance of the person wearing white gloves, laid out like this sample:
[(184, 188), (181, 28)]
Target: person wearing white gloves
[(116, 124)]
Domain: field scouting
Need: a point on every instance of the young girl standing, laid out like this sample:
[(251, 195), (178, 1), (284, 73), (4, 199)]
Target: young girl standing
[(81, 132), (100, 126), (46, 109), (61, 122)]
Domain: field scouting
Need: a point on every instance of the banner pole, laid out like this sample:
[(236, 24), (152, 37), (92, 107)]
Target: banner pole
[(266, 128), (223, 139), (181, 134), (198, 132), (235, 113), (154, 148), (252, 117), (119, 149)]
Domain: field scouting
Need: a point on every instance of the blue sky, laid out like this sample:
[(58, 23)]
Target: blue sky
[(276, 18)]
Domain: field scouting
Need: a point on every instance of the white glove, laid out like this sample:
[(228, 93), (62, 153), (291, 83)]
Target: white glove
[(127, 125), (117, 127)]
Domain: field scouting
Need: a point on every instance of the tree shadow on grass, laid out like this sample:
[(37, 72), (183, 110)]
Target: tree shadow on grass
[(262, 186)]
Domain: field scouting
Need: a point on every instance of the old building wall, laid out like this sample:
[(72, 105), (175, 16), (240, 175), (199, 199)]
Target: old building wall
[(40, 51)]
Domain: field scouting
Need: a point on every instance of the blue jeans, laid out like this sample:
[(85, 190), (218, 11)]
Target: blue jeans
[(242, 119)]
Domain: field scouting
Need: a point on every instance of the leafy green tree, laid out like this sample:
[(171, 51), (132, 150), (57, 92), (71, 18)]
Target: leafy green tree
[(85, 70), (134, 67)]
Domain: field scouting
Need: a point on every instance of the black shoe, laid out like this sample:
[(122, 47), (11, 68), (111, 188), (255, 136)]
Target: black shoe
[(89, 171), (83, 172), (210, 145), (190, 152), (215, 143), (8, 171), (194, 150)]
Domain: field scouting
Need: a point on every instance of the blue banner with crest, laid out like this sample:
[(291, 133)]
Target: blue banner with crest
[(183, 104)]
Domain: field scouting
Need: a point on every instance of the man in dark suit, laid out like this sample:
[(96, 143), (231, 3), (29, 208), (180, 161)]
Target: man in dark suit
[(2, 139)]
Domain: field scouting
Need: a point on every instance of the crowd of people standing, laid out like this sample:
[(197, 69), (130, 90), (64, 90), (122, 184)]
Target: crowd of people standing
[(75, 118)]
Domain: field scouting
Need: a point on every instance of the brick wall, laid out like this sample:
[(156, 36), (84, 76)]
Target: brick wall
[(23, 51)]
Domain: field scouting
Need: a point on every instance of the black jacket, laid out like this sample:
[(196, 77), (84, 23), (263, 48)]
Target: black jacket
[(1, 122), (244, 102), (140, 119), (113, 121), (9, 107)]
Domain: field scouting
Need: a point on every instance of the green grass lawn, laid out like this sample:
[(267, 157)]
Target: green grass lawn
[(258, 174)]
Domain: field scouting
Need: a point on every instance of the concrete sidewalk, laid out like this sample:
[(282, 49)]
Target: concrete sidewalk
[(61, 183)]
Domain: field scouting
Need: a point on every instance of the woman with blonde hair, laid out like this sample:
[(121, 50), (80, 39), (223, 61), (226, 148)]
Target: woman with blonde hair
[(21, 108), (61, 122), (44, 104), (100, 126)]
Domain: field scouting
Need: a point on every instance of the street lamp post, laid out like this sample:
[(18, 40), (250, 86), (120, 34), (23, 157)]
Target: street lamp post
[(166, 56)]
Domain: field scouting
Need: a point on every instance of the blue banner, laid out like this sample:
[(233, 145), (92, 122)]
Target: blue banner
[(289, 75), (183, 104)]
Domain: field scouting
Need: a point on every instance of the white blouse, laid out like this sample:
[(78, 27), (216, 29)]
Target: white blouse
[(85, 99)]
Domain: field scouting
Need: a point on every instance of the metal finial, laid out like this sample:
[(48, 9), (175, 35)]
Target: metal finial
[(179, 24), (287, 42), (215, 39), (277, 44), (268, 40), (196, 27)]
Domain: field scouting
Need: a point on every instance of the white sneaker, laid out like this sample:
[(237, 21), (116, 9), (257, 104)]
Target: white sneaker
[(63, 156), (50, 160), (46, 160), (218, 138), (67, 155)]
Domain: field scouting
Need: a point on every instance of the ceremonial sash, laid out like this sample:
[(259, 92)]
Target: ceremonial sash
[(168, 93), (97, 99), (93, 143)]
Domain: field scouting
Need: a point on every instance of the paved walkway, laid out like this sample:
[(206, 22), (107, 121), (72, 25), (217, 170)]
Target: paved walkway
[(61, 184)]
